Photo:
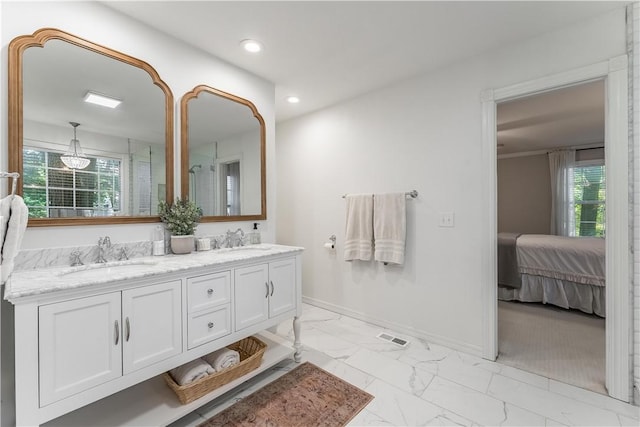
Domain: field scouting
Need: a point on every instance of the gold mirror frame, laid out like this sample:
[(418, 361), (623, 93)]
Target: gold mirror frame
[(184, 152), (15, 61)]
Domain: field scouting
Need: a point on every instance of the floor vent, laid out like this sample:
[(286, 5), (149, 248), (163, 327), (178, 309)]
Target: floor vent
[(390, 338)]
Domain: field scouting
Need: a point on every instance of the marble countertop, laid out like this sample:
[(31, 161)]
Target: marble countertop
[(25, 283)]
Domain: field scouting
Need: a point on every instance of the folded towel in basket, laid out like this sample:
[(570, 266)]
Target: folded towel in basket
[(223, 358), (191, 371)]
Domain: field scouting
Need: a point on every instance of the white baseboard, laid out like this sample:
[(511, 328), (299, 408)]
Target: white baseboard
[(407, 330)]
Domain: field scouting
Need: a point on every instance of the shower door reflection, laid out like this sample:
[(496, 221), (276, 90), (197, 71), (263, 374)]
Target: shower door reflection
[(216, 185)]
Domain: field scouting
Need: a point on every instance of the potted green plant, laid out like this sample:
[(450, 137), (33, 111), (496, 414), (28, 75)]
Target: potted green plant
[(181, 219)]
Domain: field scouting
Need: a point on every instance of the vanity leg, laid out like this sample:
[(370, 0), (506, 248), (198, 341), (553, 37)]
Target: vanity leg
[(297, 356)]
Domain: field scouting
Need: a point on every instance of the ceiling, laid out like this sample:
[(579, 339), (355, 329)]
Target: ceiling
[(57, 77), (571, 116), (326, 52)]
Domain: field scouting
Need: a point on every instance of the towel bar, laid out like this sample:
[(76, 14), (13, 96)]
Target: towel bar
[(413, 194)]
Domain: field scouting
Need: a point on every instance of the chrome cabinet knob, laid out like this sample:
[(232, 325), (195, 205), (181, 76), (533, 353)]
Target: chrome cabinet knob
[(209, 291), (211, 325)]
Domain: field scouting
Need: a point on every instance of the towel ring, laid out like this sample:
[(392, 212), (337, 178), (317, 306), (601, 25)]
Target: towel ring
[(14, 180)]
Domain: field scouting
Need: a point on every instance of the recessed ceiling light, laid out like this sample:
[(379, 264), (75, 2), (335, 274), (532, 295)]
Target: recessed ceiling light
[(251, 45), (98, 99), (293, 99)]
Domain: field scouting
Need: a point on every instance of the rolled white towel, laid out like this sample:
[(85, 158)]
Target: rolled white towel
[(191, 371), (223, 358)]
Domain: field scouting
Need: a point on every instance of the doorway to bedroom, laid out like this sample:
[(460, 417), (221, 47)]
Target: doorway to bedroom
[(613, 74), (551, 192)]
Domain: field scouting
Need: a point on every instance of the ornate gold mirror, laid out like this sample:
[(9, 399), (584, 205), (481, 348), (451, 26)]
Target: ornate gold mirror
[(223, 163), (81, 162)]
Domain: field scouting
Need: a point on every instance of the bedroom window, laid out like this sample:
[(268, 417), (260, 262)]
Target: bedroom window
[(53, 190), (589, 198)]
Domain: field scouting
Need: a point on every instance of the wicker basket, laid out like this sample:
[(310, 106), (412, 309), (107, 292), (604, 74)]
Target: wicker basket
[(251, 351)]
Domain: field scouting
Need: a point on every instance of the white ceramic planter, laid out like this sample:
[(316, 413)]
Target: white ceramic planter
[(182, 244)]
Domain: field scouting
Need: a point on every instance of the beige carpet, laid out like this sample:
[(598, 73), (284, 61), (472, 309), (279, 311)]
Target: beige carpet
[(565, 345), (308, 396)]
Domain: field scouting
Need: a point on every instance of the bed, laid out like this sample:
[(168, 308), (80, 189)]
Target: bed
[(568, 272)]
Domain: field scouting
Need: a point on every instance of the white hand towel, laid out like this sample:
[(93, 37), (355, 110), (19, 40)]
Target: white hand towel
[(359, 227), (223, 358), (191, 371), (389, 227), (5, 212), (18, 217)]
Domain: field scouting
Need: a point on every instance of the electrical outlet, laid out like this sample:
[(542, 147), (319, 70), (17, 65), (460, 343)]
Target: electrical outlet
[(446, 219)]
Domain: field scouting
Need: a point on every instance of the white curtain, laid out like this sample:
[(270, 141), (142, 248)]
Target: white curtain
[(561, 165)]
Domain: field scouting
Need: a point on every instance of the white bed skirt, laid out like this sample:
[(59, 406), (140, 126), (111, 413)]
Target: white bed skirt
[(587, 298)]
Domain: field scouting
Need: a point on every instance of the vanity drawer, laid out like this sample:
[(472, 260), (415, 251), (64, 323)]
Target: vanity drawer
[(208, 326), (208, 291)]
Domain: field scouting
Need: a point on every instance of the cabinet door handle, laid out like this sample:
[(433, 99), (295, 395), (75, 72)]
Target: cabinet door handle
[(127, 327), (266, 286), (210, 325), (209, 291), (116, 330), (272, 287)]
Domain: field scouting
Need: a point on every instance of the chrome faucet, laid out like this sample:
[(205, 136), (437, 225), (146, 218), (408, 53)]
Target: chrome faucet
[(233, 239), (122, 254), (74, 257), (103, 244)]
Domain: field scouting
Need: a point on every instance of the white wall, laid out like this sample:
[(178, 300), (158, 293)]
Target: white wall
[(636, 196), (181, 67), (524, 195), (423, 134)]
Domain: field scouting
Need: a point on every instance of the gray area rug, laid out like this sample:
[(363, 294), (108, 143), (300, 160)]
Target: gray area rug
[(565, 345)]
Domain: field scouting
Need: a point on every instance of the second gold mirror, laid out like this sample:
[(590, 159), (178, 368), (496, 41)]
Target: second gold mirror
[(223, 155)]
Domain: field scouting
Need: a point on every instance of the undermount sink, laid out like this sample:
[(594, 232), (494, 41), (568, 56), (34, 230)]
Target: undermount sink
[(251, 248), (106, 267)]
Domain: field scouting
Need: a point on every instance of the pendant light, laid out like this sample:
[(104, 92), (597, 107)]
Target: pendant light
[(74, 158)]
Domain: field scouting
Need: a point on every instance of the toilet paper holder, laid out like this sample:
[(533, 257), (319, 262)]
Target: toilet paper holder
[(333, 242)]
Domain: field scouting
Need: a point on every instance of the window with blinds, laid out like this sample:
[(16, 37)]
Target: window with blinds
[(589, 191), (50, 189)]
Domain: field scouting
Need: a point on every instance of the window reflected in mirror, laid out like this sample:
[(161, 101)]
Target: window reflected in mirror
[(52, 190), (113, 184)]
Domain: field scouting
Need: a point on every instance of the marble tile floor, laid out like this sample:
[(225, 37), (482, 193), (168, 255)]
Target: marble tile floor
[(430, 385)]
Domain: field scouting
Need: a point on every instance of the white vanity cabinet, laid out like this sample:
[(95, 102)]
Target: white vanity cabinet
[(151, 324), (282, 281), (88, 341), (79, 345), (209, 308), (92, 343), (264, 291)]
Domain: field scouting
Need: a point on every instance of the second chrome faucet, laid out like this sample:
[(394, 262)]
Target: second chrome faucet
[(104, 243)]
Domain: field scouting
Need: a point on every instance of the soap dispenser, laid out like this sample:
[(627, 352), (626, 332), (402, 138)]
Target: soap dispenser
[(254, 238), (158, 241)]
